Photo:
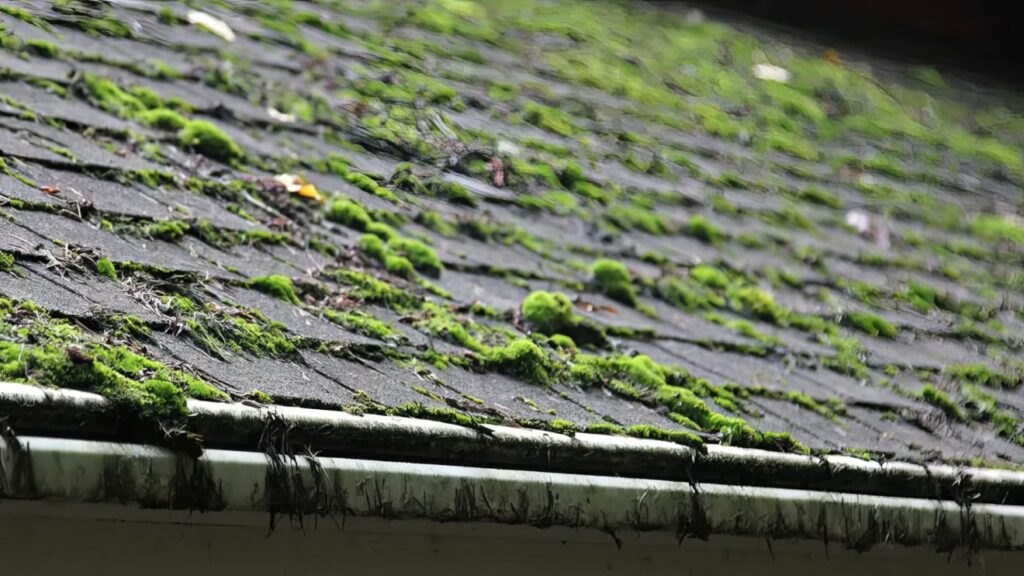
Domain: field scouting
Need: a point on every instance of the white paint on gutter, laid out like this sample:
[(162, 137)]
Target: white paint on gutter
[(63, 470), (48, 468), (60, 412)]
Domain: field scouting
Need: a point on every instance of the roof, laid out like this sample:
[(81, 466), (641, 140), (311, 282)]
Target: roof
[(563, 216)]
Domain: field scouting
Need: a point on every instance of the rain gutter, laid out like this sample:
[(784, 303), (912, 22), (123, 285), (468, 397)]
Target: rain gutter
[(71, 446)]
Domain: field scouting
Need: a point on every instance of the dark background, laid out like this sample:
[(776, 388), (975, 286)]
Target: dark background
[(984, 36)]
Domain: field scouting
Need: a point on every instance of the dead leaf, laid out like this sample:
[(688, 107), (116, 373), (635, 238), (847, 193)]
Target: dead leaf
[(51, 190), (310, 191)]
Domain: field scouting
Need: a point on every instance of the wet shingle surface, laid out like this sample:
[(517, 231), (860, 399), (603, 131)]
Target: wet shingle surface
[(348, 205)]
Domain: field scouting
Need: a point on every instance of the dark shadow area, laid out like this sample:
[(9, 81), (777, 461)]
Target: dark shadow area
[(975, 36)]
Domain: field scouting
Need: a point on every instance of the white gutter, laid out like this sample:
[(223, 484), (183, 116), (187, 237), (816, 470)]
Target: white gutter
[(63, 470), (516, 476), (40, 411)]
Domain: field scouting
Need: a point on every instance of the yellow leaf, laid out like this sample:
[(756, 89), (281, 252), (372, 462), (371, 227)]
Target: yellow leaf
[(310, 191)]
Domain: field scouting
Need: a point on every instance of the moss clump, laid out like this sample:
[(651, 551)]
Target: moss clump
[(366, 288), (348, 213), (872, 324), (141, 387), (162, 118), (631, 217), (209, 140), (42, 48), (921, 296), (940, 400), (522, 359), (548, 118), (105, 267), (279, 287), (549, 312), (6, 262), (821, 197), (399, 266), (614, 280), (700, 228), (169, 230), (710, 276), (364, 324), (419, 254), (111, 97), (981, 374), (683, 437), (372, 246)]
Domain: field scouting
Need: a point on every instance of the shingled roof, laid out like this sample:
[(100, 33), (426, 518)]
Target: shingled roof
[(570, 216)]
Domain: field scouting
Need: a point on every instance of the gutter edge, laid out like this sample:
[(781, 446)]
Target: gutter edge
[(75, 414), (293, 488)]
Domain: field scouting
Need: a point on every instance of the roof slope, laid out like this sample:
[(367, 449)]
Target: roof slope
[(568, 215)]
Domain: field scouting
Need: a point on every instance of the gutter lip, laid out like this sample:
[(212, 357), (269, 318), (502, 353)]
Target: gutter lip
[(291, 488), (70, 413)]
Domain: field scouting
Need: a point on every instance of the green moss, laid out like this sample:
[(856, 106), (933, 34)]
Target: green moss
[(848, 358), (373, 247), (399, 266), (872, 324), (707, 275), (548, 118), (210, 141), (6, 262), (821, 197), (114, 372), (260, 396), (549, 312), (921, 296), (42, 48), (169, 230), (162, 118), (111, 97), (654, 433), (983, 375), (996, 228), (366, 288), (419, 254), (348, 213), (364, 324), (279, 287), (632, 217), (702, 229), (522, 359), (105, 267), (614, 280), (940, 400), (434, 221)]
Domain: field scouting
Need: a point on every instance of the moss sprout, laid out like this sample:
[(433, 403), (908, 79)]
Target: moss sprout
[(940, 400), (614, 280), (162, 118), (419, 254), (6, 262), (699, 227), (105, 267), (872, 324), (279, 287), (522, 359), (210, 141), (348, 213), (549, 312), (169, 230)]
